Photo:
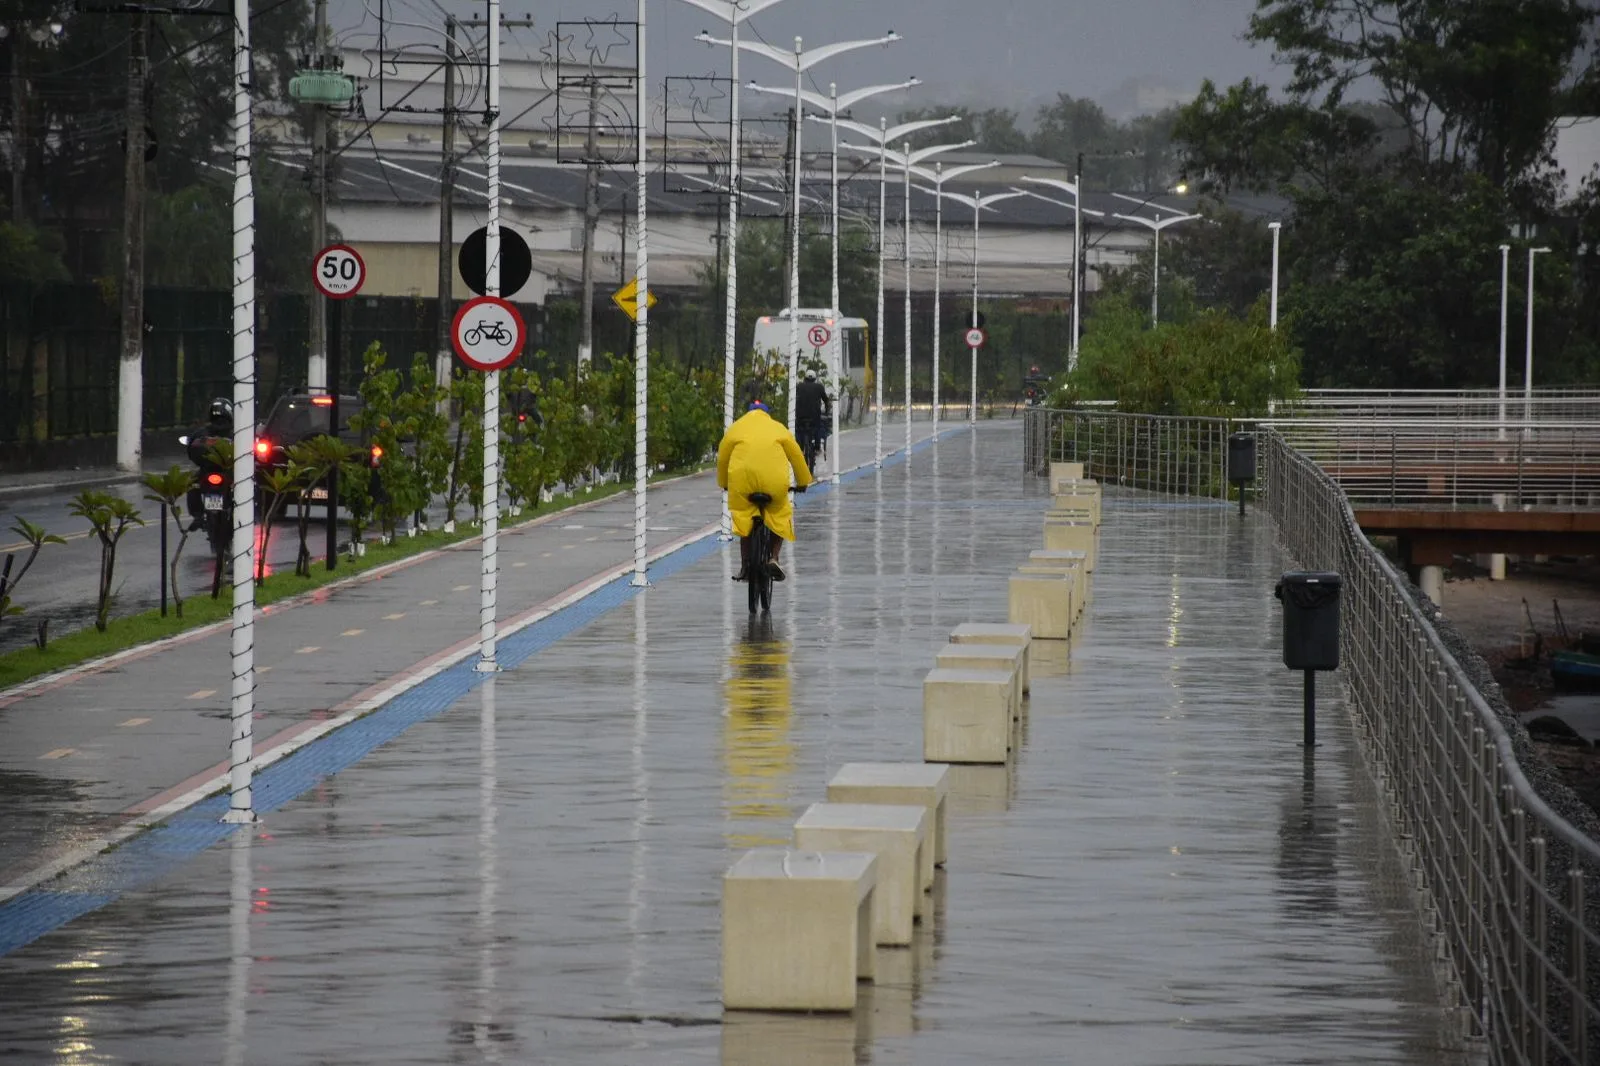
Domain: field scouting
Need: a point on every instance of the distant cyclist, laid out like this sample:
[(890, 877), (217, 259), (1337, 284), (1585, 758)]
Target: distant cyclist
[(812, 409), (756, 456)]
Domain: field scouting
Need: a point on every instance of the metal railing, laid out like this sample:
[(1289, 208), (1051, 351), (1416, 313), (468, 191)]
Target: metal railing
[(1546, 405), (1455, 464), (1184, 456), (1509, 890)]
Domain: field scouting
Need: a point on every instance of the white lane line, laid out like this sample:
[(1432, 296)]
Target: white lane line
[(352, 632), (59, 753), (428, 603), (263, 669), (130, 723), (461, 588), (518, 566), (309, 649), (205, 693), (394, 617)]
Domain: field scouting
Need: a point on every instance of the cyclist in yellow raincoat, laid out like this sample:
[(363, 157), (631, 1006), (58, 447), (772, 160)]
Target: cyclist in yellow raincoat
[(756, 455)]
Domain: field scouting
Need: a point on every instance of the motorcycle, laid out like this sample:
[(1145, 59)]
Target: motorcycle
[(211, 499)]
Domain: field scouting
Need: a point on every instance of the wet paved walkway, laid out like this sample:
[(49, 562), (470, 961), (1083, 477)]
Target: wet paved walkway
[(533, 875)]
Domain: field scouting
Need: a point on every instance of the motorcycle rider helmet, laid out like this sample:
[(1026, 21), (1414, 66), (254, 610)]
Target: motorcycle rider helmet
[(221, 412)]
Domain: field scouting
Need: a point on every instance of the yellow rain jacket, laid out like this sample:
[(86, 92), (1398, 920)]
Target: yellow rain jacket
[(755, 456)]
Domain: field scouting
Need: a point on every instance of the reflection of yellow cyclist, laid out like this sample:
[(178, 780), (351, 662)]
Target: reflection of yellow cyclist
[(755, 457), (759, 757)]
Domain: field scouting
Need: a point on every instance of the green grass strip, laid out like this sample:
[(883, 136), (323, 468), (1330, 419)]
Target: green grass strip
[(199, 609)]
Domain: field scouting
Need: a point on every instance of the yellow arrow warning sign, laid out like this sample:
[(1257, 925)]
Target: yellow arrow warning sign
[(627, 298)]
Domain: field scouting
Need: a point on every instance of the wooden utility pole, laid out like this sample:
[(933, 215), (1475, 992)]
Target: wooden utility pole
[(130, 377), (443, 346), (591, 221)]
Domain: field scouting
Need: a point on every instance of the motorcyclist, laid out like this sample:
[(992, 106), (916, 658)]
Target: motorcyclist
[(198, 445), (1034, 384)]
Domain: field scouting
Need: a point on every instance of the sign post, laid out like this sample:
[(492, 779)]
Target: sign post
[(338, 272), (975, 338), (819, 336)]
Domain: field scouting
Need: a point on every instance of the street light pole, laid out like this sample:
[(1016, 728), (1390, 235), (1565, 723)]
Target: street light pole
[(978, 202), (1527, 374), (1072, 188), (798, 61), (1156, 226), (883, 134), (939, 175), (1277, 230), (831, 105), (734, 13)]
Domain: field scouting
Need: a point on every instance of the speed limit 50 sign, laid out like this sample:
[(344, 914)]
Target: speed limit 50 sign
[(339, 271)]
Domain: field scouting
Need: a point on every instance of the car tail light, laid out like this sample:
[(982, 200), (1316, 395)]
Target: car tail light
[(522, 416), (214, 479), (322, 401), (263, 448), (377, 454)]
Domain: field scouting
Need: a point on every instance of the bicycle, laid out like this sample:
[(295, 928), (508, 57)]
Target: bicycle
[(495, 331), (758, 579), (810, 444)]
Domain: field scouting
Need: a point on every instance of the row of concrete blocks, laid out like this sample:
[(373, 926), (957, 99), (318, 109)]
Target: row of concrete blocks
[(800, 926)]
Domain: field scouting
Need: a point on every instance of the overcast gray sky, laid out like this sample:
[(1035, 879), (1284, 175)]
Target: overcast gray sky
[(1015, 53)]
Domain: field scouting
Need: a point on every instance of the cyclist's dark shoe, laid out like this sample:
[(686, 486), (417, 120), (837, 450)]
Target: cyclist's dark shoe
[(743, 574), (774, 571)]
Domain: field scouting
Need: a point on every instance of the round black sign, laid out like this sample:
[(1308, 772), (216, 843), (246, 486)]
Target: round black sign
[(516, 262)]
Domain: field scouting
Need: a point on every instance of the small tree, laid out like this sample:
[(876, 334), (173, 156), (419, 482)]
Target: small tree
[(172, 489), (109, 517), (279, 485), (315, 459), (423, 410), (36, 538)]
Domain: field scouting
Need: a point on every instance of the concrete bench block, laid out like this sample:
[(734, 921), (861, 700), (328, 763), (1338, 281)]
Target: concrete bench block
[(966, 716), (1061, 534), (1074, 509), (797, 929), (900, 783), (1044, 603), (999, 633), (1072, 563), (753, 1038), (985, 657), (897, 835), (1065, 471), (1075, 487)]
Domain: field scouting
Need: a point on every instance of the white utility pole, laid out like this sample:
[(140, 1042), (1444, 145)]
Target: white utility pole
[(1071, 188), (734, 13), (1527, 373), (1156, 226), (489, 575), (241, 804), (883, 134), (1277, 231), (641, 331)]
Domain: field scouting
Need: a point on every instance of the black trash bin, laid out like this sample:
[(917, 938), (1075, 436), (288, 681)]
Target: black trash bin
[(1241, 457), (1310, 619)]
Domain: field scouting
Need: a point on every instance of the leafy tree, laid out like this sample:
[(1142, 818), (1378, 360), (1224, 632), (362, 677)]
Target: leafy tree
[(109, 518), (424, 410), (314, 460), (279, 484), (172, 489), (1068, 126), (30, 254), (1215, 364)]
